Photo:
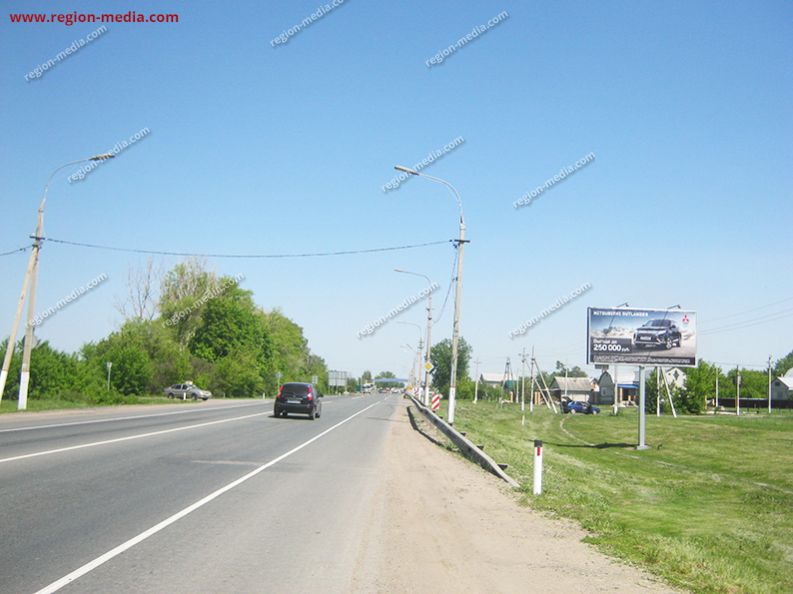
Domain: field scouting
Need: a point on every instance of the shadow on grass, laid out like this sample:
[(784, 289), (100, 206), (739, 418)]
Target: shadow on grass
[(597, 446)]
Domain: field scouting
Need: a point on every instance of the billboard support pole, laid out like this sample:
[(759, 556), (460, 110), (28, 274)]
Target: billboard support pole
[(642, 420)]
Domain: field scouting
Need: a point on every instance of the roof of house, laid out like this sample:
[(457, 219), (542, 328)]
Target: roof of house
[(788, 381), (492, 377), (572, 384), (625, 377)]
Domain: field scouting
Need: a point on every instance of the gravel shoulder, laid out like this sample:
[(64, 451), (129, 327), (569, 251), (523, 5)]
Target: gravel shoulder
[(441, 524)]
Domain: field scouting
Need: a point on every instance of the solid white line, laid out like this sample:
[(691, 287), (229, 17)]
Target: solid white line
[(130, 417), (90, 566), (130, 437)]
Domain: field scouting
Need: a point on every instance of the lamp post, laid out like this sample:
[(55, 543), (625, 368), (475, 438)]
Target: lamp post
[(417, 351), (429, 333), (460, 244), (30, 281)]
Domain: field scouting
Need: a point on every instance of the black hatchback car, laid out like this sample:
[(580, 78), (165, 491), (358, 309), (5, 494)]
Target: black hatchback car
[(296, 397)]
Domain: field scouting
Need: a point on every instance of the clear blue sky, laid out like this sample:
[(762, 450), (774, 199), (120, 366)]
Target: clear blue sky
[(688, 108)]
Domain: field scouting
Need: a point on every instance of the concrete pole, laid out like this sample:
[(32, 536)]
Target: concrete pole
[(642, 419), (456, 328), (531, 389), (769, 384), (24, 377), (427, 377), (523, 380), (15, 326), (476, 384)]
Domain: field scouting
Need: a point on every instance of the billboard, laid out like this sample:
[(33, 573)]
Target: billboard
[(337, 379), (662, 337)]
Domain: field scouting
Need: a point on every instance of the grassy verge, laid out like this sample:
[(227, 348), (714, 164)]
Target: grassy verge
[(34, 404), (707, 508)]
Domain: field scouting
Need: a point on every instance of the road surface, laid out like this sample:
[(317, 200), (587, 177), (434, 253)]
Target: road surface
[(222, 497)]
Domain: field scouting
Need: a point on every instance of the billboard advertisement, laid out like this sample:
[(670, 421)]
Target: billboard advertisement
[(662, 337)]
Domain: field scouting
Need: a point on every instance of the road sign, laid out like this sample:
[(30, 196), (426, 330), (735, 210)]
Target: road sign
[(436, 402), (314, 379), (428, 366)]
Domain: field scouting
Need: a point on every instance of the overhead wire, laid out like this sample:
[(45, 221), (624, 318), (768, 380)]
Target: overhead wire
[(243, 256)]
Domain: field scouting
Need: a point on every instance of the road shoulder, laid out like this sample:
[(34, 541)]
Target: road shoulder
[(439, 523)]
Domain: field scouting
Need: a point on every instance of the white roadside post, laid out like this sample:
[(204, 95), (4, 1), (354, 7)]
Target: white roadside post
[(109, 365), (537, 489)]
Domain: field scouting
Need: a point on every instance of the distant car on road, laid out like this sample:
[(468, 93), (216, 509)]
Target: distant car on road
[(657, 333), (297, 397), (585, 408), (187, 390)]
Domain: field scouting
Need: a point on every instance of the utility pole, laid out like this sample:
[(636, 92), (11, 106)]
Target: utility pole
[(769, 384), (30, 283), (460, 245), (737, 391), (476, 384), (523, 380), (531, 389), (718, 373)]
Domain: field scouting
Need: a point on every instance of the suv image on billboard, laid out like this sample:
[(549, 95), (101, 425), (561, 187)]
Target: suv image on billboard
[(296, 397), (657, 333)]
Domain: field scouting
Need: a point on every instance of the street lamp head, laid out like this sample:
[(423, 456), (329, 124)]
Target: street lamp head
[(399, 270), (102, 157), (406, 169)]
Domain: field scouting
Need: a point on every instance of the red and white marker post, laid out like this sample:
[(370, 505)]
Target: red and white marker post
[(436, 402), (537, 467)]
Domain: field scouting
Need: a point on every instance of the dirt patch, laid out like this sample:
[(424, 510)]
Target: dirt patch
[(442, 524)]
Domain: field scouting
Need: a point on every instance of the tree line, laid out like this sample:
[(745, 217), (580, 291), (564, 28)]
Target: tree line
[(202, 328)]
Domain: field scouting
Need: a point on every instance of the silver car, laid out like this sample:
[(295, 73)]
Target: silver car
[(188, 390)]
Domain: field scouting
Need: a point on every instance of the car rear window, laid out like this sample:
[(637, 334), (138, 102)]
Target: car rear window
[(295, 390)]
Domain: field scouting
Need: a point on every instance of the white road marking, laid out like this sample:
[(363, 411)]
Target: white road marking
[(130, 417), (90, 566), (130, 437)]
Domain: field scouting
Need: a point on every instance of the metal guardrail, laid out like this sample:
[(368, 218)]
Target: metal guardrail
[(468, 449)]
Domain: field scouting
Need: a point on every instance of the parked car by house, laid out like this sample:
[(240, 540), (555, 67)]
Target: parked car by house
[(187, 390), (657, 332), (575, 406)]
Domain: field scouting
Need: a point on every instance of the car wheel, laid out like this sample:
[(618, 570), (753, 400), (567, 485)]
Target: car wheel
[(595, 412), (313, 414), (572, 411), (668, 343)]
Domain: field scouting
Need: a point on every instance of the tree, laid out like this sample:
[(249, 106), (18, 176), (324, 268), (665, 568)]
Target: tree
[(140, 302), (575, 371), (783, 365), (231, 327), (184, 293), (366, 377), (441, 357)]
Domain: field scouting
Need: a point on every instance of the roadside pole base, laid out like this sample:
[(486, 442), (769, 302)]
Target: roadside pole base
[(644, 447)]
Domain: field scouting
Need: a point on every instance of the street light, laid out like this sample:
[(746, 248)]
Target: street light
[(429, 333), (460, 245), (417, 351), (30, 280)]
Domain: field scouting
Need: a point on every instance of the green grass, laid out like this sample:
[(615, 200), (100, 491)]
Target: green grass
[(708, 508), (34, 404)]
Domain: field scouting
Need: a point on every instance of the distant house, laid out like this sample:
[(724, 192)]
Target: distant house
[(782, 387), (627, 387), (491, 378), (579, 389)]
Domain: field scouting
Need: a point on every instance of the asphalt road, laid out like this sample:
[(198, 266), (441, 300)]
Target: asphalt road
[(216, 498)]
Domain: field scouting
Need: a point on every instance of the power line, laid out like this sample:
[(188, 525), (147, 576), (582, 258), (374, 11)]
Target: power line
[(740, 313), (244, 256), (771, 317), (16, 251)]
